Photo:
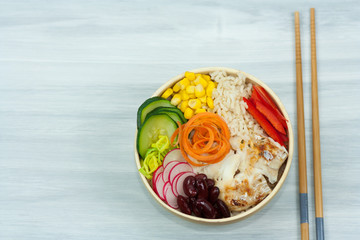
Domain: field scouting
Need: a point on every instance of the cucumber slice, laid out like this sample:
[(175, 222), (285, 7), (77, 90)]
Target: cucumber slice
[(174, 113), (149, 105), (149, 132), (178, 111)]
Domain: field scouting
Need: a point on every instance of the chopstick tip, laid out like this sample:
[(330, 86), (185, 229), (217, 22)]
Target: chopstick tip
[(296, 15)]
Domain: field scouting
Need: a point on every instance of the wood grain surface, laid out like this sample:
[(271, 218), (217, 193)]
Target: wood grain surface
[(73, 73)]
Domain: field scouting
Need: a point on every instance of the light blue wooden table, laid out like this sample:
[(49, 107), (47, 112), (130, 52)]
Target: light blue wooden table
[(73, 73)]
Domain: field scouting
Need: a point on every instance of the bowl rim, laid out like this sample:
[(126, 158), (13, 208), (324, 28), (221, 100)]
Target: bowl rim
[(264, 202)]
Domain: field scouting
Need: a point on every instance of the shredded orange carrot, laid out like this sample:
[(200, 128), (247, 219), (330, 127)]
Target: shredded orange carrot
[(205, 138), (172, 139)]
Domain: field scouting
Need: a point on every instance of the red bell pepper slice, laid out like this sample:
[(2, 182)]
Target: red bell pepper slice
[(267, 101), (269, 114), (283, 138), (262, 92), (268, 128), (255, 96)]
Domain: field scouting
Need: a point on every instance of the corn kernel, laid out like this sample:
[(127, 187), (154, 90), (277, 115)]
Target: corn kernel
[(203, 82), (210, 88), (197, 80), (200, 110), (200, 80), (184, 83), (199, 91), (194, 103), (167, 93), (188, 113), (210, 102), (176, 99), (183, 105), (184, 95), (190, 75), (192, 96), (190, 89), (176, 87), (206, 77), (197, 75), (203, 99)]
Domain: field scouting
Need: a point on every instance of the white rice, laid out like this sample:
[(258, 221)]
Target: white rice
[(229, 105)]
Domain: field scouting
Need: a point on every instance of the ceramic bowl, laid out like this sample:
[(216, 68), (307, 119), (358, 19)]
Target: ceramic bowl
[(247, 213)]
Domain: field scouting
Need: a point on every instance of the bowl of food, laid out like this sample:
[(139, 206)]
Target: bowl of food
[(213, 145)]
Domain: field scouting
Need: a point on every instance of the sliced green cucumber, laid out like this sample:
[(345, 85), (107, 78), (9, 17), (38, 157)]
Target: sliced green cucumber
[(150, 105), (174, 113), (178, 111), (149, 132), (142, 106)]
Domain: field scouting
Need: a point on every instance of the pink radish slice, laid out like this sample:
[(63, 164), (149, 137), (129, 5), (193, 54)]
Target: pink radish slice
[(176, 177), (178, 168), (167, 170), (155, 182), (173, 183), (179, 184), (159, 183), (156, 173), (166, 188), (173, 155), (170, 198)]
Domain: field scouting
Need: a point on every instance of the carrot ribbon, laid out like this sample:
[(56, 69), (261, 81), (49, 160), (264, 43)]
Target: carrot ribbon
[(205, 138)]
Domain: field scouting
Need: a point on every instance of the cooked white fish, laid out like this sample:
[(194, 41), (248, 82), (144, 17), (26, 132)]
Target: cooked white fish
[(241, 185), (245, 190), (267, 156), (240, 175)]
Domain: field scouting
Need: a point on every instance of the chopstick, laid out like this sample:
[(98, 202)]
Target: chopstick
[(316, 134), (304, 221)]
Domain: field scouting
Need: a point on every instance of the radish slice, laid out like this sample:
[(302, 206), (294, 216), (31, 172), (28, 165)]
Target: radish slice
[(176, 177), (156, 173), (173, 155), (179, 184), (173, 183), (159, 183), (165, 188), (170, 198), (178, 168), (167, 170)]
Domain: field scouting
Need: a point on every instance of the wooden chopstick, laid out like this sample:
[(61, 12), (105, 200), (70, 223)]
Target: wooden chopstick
[(316, 134), (304, 220)]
